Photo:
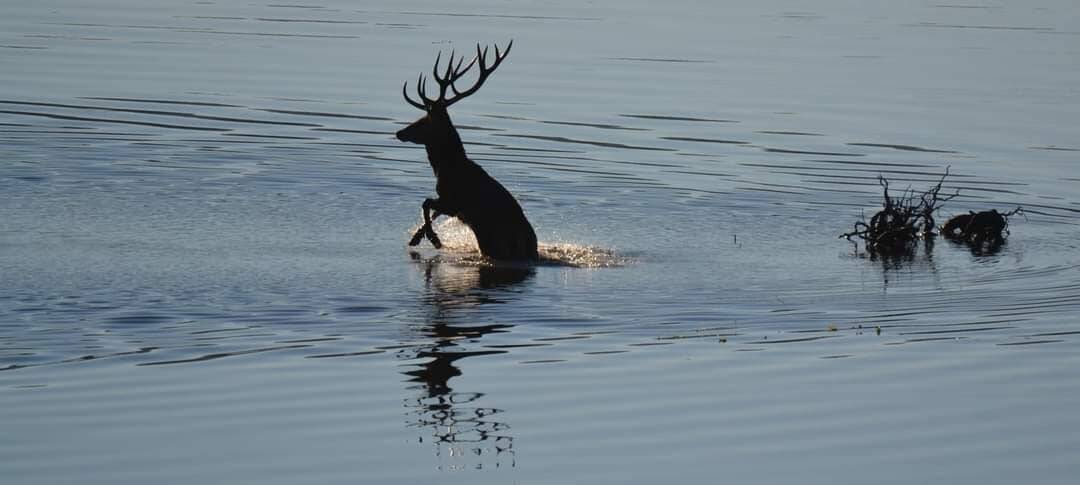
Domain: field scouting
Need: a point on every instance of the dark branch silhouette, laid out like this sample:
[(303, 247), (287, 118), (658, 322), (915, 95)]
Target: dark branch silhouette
[(894, 231), (901, 222)]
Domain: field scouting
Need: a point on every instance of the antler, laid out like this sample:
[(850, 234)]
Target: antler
[(451, 75)]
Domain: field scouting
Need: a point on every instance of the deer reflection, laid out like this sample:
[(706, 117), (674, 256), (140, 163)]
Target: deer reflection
[(461, 429)]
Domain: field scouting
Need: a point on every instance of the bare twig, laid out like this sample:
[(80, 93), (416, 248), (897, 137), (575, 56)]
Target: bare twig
[(902, 220)]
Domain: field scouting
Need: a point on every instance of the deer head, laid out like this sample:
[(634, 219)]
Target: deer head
[(435, 130)]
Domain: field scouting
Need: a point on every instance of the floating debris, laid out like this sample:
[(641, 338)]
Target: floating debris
[(983, 232), (903, 221)]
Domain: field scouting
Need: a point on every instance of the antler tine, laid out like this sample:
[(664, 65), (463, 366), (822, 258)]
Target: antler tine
[(447, 79), (449, 67), (421, 88), (508, 46), (460, 71), (457, 70), (482, 55), (405, 92), (485, 71), (435, 68), (421, 84)]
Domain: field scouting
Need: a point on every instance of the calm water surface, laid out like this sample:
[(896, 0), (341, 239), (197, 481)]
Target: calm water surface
[(204, 275)]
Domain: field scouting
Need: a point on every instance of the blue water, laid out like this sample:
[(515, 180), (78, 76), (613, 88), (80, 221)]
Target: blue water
[(204, 274)]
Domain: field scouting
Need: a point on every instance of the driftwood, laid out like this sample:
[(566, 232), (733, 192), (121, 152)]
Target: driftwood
[(982, 231), (903, 221)]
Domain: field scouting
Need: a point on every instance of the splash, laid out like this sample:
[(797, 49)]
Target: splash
[(581, 256), (459, 244)]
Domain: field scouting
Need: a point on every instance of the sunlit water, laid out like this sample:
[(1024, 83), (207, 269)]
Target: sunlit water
[(204, 275)]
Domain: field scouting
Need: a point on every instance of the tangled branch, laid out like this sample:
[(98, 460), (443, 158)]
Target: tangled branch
[(902, 221)]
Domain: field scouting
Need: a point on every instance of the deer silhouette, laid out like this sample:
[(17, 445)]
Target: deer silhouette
[(465, 190)]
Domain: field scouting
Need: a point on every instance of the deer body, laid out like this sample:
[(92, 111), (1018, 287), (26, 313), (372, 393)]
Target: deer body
[(465, 190)]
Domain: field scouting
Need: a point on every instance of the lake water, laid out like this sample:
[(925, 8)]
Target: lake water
[(204, 275)]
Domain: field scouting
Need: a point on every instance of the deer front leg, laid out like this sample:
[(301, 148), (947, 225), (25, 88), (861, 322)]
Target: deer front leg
[(431, 211)]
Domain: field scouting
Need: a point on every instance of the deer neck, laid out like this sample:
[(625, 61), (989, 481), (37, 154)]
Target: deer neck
[(446, 150)]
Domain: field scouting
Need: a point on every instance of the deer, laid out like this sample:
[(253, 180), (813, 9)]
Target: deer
[(464, 189)]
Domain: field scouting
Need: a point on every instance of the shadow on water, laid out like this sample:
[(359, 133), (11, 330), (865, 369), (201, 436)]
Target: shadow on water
[(454, 421)]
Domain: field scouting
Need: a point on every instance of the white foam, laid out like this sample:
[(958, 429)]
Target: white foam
[(459, 244)]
